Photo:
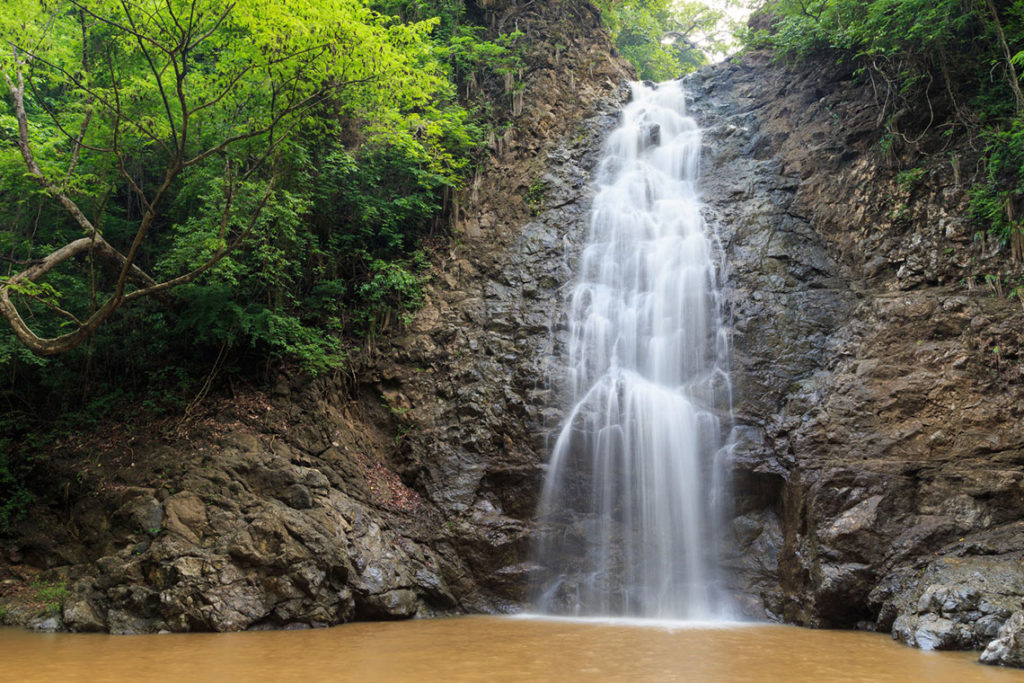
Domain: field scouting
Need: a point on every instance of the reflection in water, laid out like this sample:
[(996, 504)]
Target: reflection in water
[(487, 649)]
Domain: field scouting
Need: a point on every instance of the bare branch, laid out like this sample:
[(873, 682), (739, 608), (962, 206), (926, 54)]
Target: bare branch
[(157, 73), (1011, 71), (52, 346), (304, 104), (229, 88), (147, 221), (102, 100), (54, 307), (80, 140), (18, 96), (56, 345), (216, 25), (76, 139), (120, 27)]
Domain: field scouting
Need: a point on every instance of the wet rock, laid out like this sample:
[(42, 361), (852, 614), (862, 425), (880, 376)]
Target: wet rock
[(931, 632), (1008, 647), (395, 604), (81, 616), (81, 611), (959, 602), (873, 429), (46, 624), (123, 622)]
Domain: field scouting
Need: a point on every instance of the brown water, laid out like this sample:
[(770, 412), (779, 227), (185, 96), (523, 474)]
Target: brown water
[(486, 649)]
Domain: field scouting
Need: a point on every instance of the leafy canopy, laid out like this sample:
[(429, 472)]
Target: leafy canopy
[(665, 39), (165, 133)]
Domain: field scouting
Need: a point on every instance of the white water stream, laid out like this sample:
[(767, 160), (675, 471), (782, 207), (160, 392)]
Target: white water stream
[(631, 502)]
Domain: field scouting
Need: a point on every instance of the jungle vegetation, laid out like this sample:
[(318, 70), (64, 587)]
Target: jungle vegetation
[(200, 188)]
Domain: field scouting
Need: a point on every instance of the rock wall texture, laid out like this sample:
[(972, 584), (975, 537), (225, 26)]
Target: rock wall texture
[(879, 440), (406, 489)]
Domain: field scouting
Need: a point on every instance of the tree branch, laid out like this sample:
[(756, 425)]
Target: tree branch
[(212, 261), (156, 72), (18, 95)]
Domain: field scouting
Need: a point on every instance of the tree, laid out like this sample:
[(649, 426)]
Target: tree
[(130, 99), (664, 38)]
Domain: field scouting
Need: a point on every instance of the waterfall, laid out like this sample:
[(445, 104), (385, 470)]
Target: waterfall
[(630, 509)]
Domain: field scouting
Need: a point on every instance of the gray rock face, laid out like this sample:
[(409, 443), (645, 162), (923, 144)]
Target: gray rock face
[(879, 442), (1008, 647), (955, 603)]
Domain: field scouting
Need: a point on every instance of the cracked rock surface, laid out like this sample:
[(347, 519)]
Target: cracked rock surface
[(878, 465)]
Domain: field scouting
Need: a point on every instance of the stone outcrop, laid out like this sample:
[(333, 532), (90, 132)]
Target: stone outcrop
[(879, 440), (1008, 647)]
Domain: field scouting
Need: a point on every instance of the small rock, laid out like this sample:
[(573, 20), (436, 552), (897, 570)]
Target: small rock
[(930, 632), (298, 497), (1008, 648), (143, 513), (81, 616), (124, 623), (185, 514), (45, 624), (396, 604)]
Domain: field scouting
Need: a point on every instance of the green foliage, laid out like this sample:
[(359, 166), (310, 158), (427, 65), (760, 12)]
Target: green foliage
[(392, 287), (51, 593), (909, 178), (220, 120), (535, 196), (325, 140), (932, 63), (663, 39), (914, 48), (995, 200), (15, 498)]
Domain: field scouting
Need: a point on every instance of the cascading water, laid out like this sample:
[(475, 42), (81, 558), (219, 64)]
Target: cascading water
[(630, 506)]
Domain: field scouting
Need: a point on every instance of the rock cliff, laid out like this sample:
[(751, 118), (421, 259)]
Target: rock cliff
[(879, 441)]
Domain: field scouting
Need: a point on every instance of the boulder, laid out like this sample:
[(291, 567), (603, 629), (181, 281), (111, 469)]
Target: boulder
[(1008, 647)]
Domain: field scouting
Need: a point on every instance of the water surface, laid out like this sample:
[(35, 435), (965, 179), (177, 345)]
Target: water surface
[(487, 649)]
